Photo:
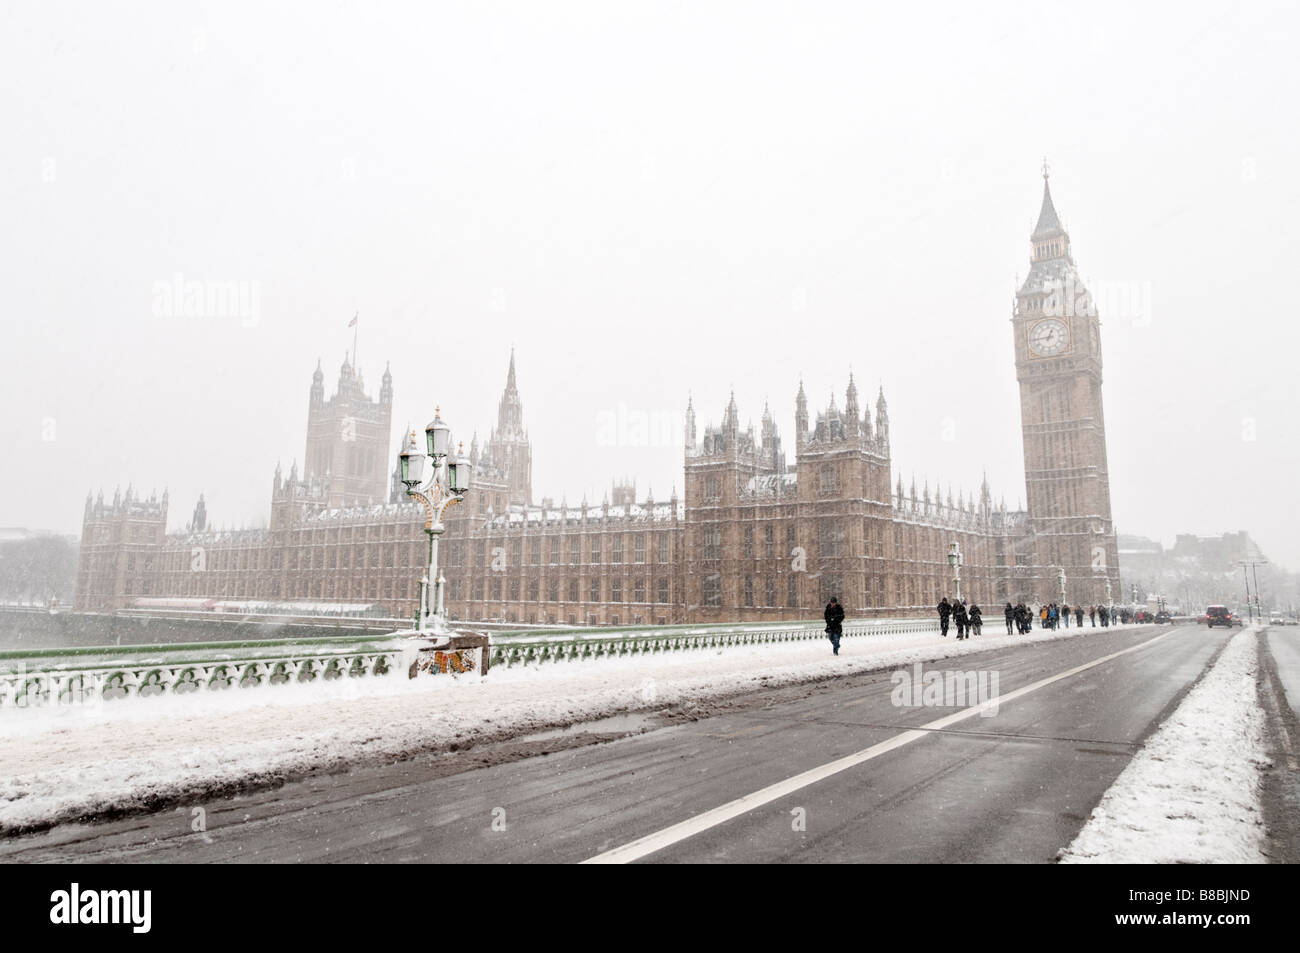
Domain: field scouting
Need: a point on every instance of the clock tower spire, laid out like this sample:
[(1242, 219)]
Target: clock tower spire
[(1058, 364)]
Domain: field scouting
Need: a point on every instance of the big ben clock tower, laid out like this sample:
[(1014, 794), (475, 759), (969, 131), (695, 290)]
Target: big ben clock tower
[(1058, 365)]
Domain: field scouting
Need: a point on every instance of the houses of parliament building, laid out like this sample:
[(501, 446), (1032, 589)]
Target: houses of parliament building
[(752, 537)]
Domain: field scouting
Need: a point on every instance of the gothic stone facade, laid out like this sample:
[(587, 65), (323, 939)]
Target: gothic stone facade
[(752, 538)]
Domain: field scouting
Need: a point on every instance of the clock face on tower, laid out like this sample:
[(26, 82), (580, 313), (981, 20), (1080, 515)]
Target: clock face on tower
[(1049, 337)]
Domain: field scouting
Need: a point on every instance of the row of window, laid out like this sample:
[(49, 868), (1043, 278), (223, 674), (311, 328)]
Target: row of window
[(514, 551), (597, 590)]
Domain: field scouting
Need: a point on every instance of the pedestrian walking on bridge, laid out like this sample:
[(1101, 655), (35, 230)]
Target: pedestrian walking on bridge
[(834, 622), (960, 617)]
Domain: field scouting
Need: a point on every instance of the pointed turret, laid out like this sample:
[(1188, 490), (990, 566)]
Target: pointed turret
[(690, 423), (800, 417), (1050, 240), (773, 456), (386, 385), (882, 420), (1049, 223), (852, 421), (510, 411), (731, 421)]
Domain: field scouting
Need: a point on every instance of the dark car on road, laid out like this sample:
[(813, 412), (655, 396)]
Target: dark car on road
[(1218, 615)]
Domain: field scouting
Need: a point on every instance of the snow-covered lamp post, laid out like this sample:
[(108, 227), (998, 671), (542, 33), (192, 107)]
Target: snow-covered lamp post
[(1060, 582), (954, 560), (449, 481)]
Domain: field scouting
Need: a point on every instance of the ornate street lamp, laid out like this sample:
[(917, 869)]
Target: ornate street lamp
[(1060, 582), (954, 560), (449, 481)]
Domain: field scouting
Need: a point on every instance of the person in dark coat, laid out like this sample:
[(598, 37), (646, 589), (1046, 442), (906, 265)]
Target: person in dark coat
[(976, 619), (945, 610), (1065, 616), (1078, 615), (961, 619), (1092, 615), (834, 618), (1010, 615)]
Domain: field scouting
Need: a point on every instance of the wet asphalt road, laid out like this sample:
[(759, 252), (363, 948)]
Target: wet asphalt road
[(1284, 645), (1014, 787)]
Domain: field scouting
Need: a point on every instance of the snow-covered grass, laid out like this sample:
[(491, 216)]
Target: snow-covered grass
[(1191, 795), (66, 762)]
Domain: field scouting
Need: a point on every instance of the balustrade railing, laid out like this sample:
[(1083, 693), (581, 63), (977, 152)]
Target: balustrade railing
[(110, 673)]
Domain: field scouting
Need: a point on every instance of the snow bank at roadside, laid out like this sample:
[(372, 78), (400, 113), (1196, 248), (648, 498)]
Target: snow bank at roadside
[(62, 763), (1191, 795)]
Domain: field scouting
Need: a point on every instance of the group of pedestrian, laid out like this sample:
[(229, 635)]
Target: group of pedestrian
[(1018, 616), (967, 619)]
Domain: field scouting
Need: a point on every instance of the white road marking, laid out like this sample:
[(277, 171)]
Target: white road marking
[(720, 815)]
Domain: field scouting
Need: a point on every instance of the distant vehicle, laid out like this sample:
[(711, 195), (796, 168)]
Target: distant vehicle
[(1277, 620), (1163, 618), (1219, 615)]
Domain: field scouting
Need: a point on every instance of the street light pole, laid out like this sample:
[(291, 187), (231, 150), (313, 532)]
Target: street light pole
[(449, 481), (1259, 609), (1250, 606)]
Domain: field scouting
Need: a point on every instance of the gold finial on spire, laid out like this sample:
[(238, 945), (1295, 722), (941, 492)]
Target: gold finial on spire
[(1045, 168)]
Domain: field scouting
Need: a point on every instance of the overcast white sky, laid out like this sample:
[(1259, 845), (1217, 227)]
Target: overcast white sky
[(645, 200)]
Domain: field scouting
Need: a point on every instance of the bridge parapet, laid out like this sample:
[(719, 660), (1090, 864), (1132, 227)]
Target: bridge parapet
[(110, 673)]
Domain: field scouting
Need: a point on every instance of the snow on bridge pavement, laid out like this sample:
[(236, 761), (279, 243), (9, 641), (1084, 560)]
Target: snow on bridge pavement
[(67, 762)]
